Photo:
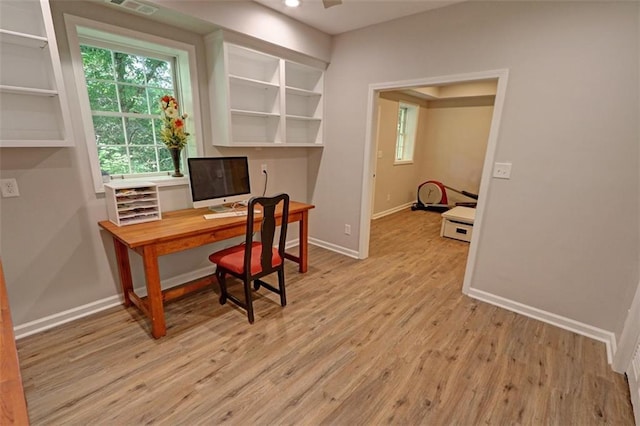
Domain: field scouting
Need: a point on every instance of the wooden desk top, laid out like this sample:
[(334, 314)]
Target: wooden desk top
[(180, 224)]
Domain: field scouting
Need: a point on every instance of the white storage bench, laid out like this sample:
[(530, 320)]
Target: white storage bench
[(458, 223)]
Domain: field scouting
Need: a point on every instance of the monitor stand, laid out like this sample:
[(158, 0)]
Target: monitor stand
[(220, 208)]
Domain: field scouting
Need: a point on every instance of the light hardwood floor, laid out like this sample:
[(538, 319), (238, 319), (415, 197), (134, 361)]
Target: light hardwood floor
[(387, 340)]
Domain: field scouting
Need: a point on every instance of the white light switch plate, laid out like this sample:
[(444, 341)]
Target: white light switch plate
[(502, 170)]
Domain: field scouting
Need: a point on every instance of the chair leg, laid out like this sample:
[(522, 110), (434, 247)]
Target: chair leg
[(283, 294), (222, 281), (248, 300)]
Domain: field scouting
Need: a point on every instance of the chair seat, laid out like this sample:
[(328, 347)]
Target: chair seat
[(232, 258)]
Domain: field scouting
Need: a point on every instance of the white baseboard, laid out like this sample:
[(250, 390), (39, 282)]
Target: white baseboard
[(390, 211), (607, 337), (51, 321), (334, 248), (634, 391)]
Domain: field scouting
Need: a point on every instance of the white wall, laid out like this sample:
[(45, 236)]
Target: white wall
[(456, 139), (561, 235), (55, 258), (395, 184), (257, 21)]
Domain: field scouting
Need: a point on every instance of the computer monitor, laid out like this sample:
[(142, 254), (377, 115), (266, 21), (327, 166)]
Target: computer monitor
[(216, 181)]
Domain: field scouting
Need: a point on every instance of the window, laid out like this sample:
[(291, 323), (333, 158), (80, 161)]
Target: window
[(407, 127), (124, 91), (121, 75)]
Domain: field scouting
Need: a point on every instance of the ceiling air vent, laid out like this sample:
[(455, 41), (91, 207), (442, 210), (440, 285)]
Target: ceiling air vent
[(134, 5)]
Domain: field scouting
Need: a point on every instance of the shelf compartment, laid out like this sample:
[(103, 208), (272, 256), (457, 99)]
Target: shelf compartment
[(303, 130), (303, 77), (29, 118), (303, 105), (26, 67), (254, 128), (251, 95), (20, 16), (253, 65)]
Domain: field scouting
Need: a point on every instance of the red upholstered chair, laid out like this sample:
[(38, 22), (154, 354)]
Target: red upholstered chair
[(253, 260)]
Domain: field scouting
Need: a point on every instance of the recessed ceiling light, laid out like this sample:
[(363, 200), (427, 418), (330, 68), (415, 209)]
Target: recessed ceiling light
[(292, 3)]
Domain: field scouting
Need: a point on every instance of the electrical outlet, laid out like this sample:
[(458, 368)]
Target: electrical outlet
[(347, 229), (9, 188), (263, 169), (502, 170), (388, 197)]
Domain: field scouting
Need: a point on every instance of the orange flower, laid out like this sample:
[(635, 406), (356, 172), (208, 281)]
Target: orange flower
[(173, 132)]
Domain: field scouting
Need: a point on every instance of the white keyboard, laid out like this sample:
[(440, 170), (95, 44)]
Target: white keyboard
[(225, 214)]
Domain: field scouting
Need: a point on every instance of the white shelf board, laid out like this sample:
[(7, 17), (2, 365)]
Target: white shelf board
[(302, 118), (28, 91), (22, 39), (254, 113), (252, 82), (302, 92)]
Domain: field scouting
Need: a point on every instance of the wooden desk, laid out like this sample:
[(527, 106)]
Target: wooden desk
[(13, 406), (176, 231)]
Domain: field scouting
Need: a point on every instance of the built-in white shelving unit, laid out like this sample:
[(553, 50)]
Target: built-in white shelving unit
[(33, 106), (262, 100), (129, 203)]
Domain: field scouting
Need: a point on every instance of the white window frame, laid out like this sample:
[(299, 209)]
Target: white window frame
[(79, 29), (409, 136)]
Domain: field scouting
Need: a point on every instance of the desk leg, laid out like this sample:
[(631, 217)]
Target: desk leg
[(124, 268), (304, 241), (154, 292)]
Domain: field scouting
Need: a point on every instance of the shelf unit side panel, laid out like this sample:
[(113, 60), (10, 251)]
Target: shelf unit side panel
[(58, 78), (219, 92)]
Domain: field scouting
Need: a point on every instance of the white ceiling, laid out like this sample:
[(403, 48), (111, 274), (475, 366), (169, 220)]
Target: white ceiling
[(353, 14)]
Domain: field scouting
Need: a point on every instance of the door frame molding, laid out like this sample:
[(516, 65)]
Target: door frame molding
[(370, 159)]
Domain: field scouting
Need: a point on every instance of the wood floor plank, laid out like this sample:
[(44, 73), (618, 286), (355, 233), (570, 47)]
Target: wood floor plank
[(386, 340)]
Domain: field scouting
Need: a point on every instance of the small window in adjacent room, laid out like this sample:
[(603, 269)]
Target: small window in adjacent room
[(407, 127)]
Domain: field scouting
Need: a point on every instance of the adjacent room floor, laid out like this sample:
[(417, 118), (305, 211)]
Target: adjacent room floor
[(387, 340)]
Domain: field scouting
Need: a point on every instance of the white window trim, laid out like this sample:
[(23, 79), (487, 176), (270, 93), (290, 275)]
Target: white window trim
[(412, 132), (187, 80)]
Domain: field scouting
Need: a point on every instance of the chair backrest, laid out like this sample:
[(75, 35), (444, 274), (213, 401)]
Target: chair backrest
[(269, 207)]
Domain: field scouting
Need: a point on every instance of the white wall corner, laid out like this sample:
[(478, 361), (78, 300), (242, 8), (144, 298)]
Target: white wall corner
[(334, 248), (391, 211), (629, 337), (607, 337)]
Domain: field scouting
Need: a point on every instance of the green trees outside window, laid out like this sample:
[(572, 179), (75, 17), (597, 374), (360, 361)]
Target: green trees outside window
[(124, 95)]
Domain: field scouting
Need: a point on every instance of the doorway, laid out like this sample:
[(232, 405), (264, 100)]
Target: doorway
[(371, 154)]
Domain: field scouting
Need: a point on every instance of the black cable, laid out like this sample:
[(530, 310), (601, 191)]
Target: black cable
[(266, 178)]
